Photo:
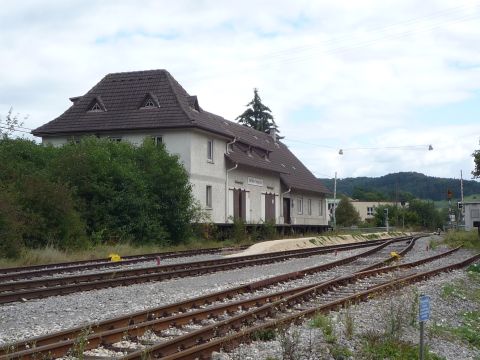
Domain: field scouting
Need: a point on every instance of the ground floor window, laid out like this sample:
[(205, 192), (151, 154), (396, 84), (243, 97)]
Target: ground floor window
[(300, 206), (320, 207), (208, 199)]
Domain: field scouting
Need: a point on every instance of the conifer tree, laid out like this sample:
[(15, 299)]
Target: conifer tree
[(476, 159), (257, 116)]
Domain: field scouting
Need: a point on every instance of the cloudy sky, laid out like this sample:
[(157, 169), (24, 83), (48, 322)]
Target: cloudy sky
[(381, 80)]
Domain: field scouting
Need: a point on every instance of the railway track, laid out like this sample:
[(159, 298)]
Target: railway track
[(24, 272), (22, 290), (31, 272), (296, 307), (259, 292)]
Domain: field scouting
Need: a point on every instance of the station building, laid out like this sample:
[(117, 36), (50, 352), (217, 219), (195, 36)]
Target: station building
[(236, 172)]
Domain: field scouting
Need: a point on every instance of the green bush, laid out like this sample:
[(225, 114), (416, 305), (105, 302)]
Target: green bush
[(11, 226), (100, 190)]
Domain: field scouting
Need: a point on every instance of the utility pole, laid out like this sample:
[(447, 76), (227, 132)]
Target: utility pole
[(335, 202), (462, 210)]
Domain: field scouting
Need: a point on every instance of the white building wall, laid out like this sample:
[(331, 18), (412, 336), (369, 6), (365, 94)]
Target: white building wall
[(362, 208), (261, 182), (302, 216), (472, 213), (204, 172), (191, 148)]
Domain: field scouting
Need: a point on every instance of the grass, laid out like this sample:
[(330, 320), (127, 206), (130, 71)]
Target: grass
[(468, 331), (464, 289), (467, 239), (51, 255), (264, 335), (468, 290), (324, 323), (377, 347)]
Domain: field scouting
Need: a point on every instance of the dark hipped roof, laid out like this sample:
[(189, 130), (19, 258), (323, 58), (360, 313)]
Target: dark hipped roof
[(122, 96)]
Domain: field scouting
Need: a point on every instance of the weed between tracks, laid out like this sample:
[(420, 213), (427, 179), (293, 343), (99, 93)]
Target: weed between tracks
[(80, 344), (464, 290)]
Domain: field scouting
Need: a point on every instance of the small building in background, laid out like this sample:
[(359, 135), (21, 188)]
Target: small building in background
[(472, 214), (366, 209)]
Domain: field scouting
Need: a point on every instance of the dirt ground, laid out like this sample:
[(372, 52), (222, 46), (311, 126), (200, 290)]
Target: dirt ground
[(307, 242)]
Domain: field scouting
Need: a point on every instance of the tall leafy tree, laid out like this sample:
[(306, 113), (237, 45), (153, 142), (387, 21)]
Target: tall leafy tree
[(257, 116), (476, 159), (346, 214)]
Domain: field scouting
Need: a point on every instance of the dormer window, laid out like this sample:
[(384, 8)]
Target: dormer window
[(96, 105), (150, 102)]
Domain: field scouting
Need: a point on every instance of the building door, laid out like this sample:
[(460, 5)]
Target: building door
[(270, 207), (286, 210), (239, 204)]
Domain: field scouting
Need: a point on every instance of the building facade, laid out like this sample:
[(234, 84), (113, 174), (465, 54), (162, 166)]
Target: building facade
[(472, 214), (366, 209), (235, 171)]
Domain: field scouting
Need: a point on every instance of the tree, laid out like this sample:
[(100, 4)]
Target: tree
[(346, 214), (476, 159), (10, 124), (257, 116), (362, 194)]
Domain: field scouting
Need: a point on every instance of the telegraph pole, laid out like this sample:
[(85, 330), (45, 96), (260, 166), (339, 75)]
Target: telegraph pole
[(335, 202), (462, 210)]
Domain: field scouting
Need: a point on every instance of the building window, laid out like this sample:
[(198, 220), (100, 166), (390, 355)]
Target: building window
[(309, 206), (475, 213), (149, 103), (96, 108), (300, 206), (208, 198), (210, 150), (370, 210), (320, 207), (158, 140)]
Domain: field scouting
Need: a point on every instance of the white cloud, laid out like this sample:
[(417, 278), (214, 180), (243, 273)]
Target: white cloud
[(366, 66)]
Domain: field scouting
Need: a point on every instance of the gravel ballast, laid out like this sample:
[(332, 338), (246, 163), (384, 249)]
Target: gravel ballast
[(373, 317), (19, 321), (36, 317)]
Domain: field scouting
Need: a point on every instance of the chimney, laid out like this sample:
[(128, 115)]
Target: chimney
[(273, 133)]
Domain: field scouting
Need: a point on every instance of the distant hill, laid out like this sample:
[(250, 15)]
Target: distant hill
[(419, 185)]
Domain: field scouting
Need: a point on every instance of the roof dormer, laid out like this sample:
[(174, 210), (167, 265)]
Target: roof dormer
[(150, 101), (193, 102), (97, 105)]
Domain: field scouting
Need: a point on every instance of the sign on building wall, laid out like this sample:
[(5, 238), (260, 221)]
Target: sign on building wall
[(254, 181)]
